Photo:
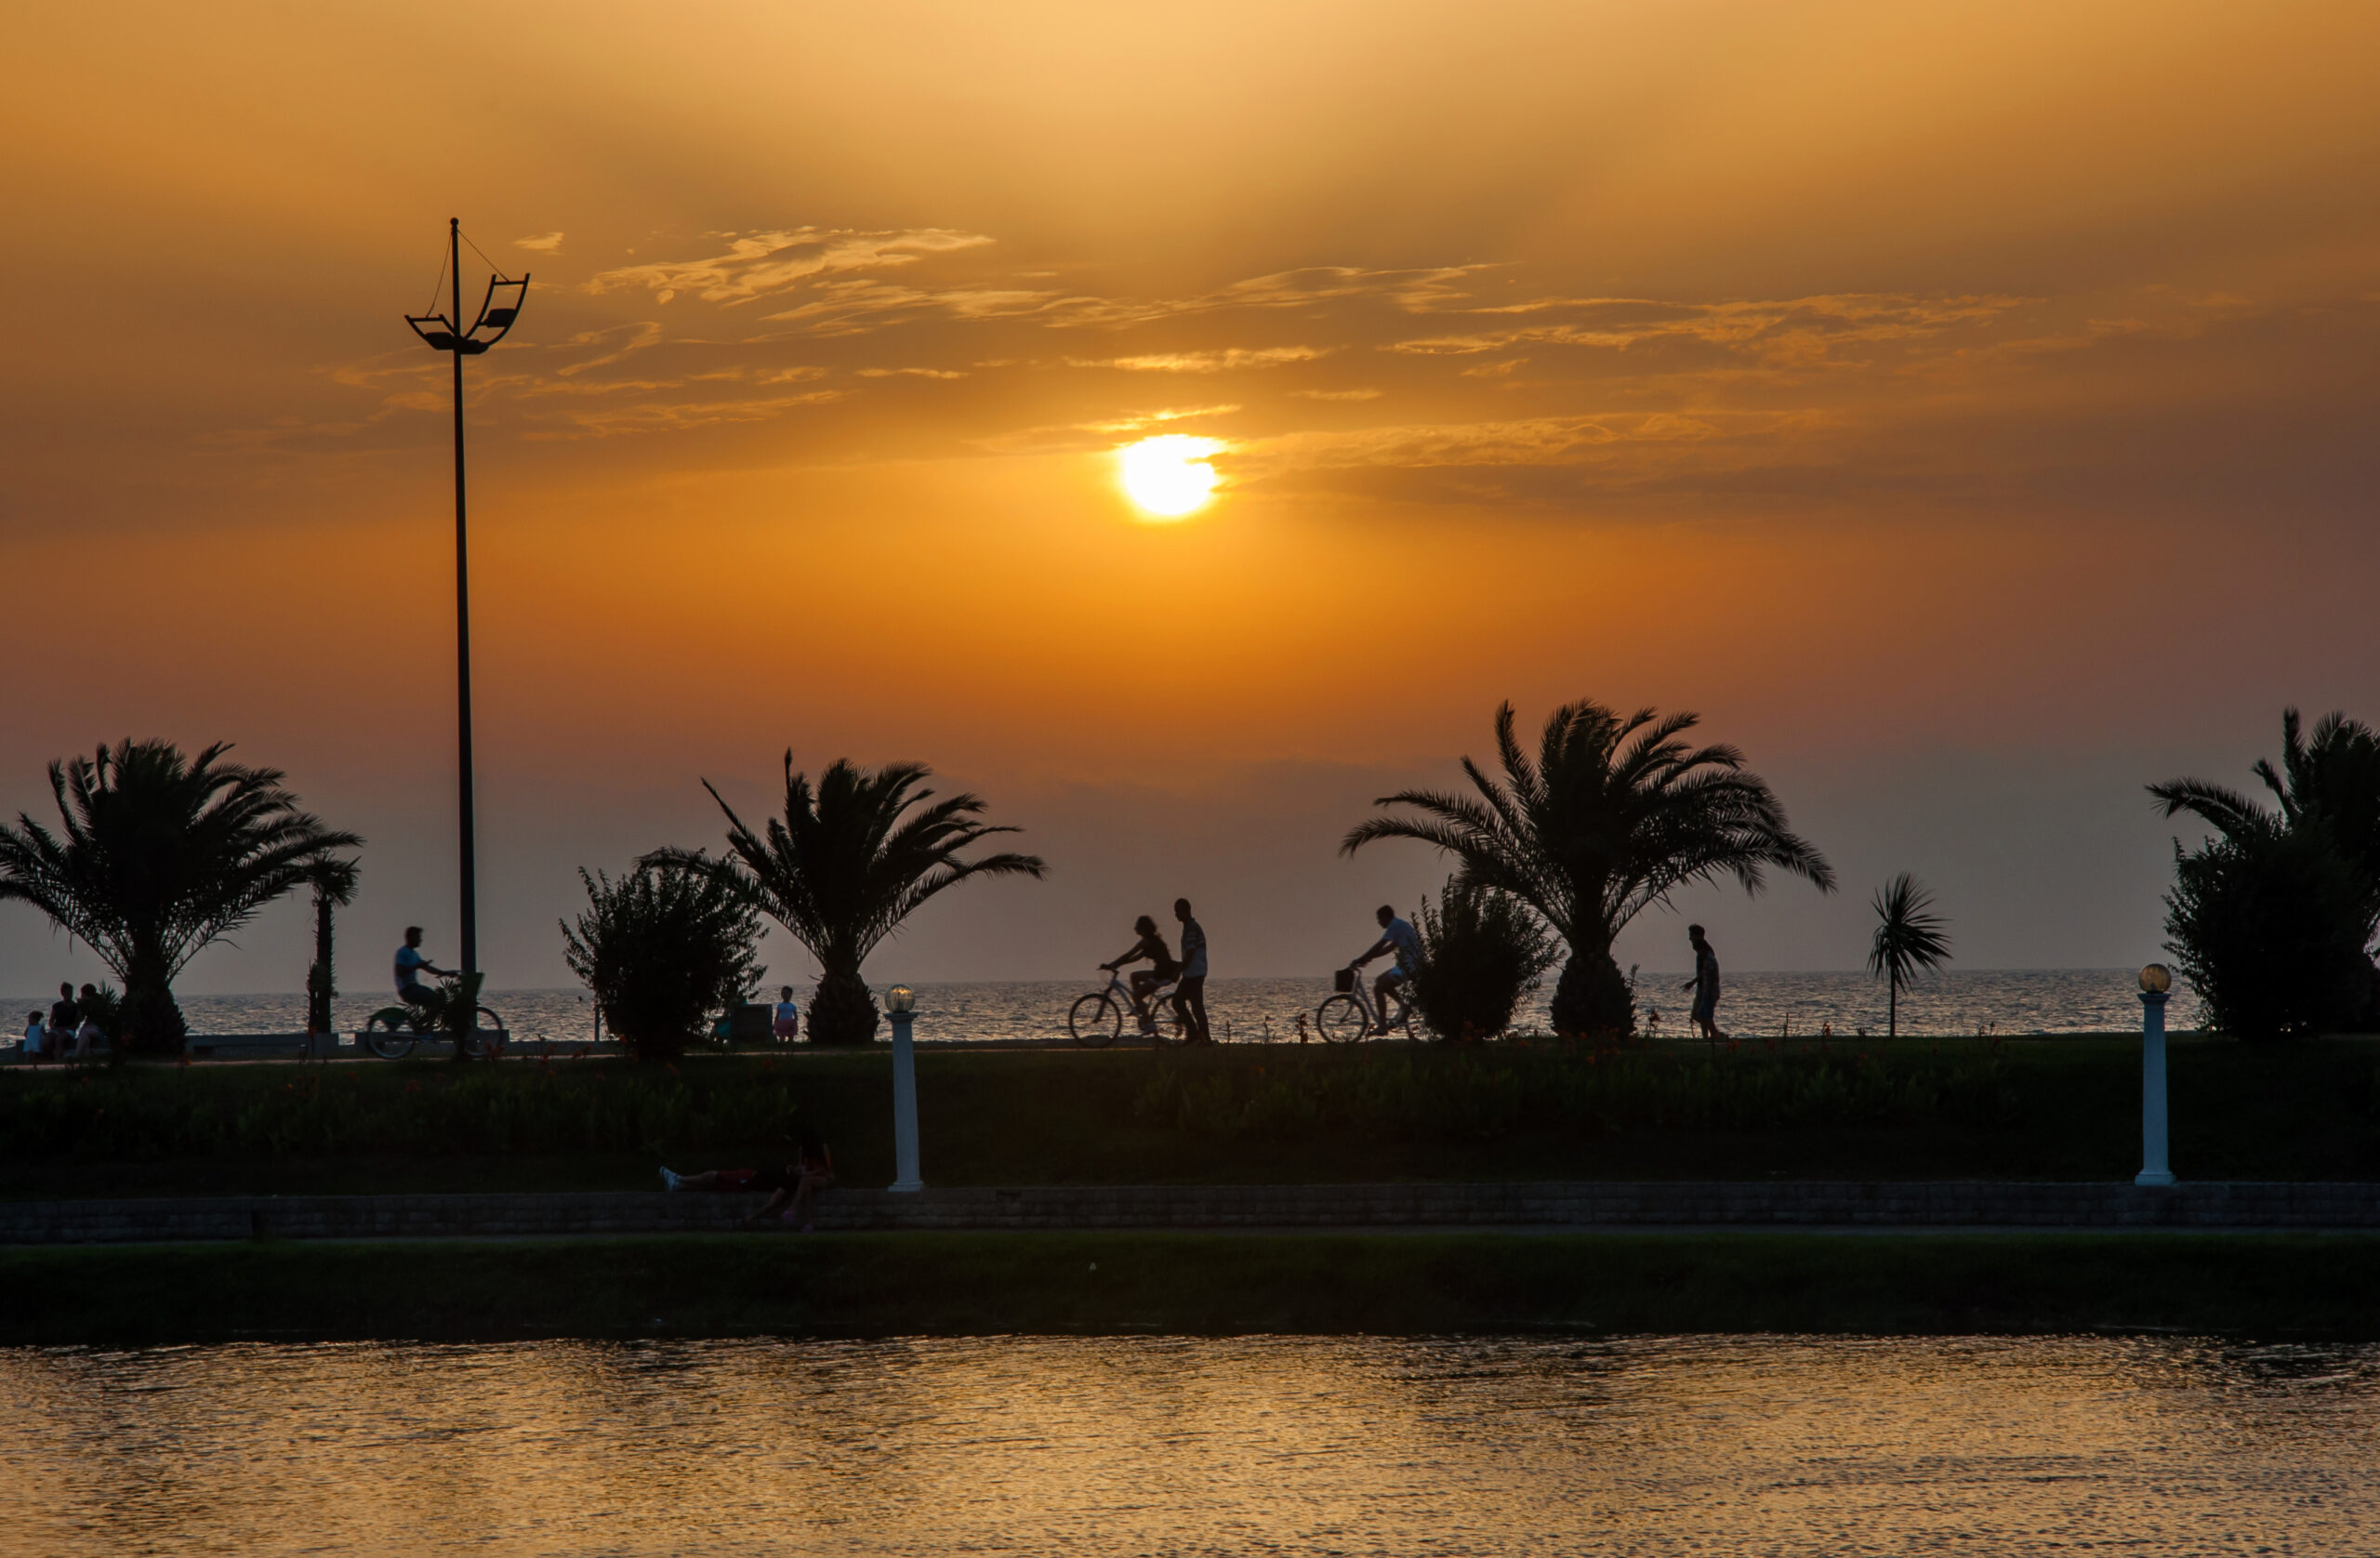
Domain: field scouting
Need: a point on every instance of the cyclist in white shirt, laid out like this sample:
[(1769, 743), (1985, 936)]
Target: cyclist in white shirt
[(1396, 936), (411, 966)]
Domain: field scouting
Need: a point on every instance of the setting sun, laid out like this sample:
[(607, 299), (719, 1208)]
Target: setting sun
[(1169, 477)]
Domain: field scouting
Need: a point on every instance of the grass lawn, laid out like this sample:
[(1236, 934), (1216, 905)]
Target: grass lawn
[(2066, 1108), (990, 1284)]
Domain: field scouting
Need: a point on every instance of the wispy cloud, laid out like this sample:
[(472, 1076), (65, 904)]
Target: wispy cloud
[(544, 244), (1223, 361), (763, 264), (1786, 332)]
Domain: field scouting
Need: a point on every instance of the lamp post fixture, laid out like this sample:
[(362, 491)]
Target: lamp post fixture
[(2155, 981), (900, 1003), (497, 311)]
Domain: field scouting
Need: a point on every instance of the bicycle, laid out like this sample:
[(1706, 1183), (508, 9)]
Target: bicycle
[(391, 1032), (1097, 1020), (1350, 1014)]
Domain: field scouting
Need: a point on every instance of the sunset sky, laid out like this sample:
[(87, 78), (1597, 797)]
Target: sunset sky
[(1969, 409)]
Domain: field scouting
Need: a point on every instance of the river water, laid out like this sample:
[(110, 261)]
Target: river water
[(1711, 1447), (2006, 1001)]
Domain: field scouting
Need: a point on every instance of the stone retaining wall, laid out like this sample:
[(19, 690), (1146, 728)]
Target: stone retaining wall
[(1946, 1204)]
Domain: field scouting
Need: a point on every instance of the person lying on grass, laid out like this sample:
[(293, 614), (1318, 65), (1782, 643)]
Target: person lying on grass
[(797, 1183)]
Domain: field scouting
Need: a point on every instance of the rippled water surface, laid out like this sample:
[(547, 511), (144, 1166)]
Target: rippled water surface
[(2004, 1000), (1711, 1446)]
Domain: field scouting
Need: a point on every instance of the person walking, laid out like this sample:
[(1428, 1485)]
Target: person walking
[(1190, 994), (1705, 985), (785, 1024)]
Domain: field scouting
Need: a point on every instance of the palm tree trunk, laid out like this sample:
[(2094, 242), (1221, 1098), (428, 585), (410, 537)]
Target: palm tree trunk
[(152, 1023), (1592, 1000), (319, 985), (1892, 1006), (842, 1009)]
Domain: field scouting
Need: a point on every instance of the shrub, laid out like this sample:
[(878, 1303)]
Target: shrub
[(2265, 927), (664, 949), (1488, 1093), (1482, 952)]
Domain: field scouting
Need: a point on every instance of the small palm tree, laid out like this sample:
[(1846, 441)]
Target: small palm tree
[(162, 857), (333, 878), (1612, 817), (846, 864), (1909, 938)]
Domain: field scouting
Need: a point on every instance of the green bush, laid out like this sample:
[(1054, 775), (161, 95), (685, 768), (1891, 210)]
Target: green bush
[(665, 949), (138, 1114), (2266, 926), (1569, 1090), (1482, 953)]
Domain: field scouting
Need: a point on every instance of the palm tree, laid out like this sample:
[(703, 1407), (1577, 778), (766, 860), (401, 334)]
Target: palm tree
[(333, 878), (846, 864), (1613, 815), (1909, 938), (2329, 785), (162, 857)]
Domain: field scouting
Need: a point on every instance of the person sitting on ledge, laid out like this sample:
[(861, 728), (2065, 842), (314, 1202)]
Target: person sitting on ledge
[(793, 1187)]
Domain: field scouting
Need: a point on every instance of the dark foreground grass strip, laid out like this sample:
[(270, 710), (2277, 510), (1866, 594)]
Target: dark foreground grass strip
[(978, 1284)]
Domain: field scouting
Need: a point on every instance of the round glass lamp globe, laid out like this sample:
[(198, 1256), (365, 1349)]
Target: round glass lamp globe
[(2156, 979), (900, 999)]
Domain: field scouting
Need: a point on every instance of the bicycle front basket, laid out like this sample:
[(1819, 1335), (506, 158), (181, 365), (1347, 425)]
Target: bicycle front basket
[(1343, 981)]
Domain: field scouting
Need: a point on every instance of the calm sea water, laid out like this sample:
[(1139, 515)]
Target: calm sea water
[(1715, 1446), (2001, 1000)]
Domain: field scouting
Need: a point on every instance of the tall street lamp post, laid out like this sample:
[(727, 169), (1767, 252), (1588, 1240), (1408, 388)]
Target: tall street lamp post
[(497, 311), (900, 1004), (2155, 981)]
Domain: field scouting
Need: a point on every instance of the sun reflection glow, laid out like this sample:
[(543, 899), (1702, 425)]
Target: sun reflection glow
[(1167, 477)]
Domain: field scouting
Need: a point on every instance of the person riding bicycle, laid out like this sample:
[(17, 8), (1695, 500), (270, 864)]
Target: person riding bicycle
[(1162, 971), (1396, 936), (411, 966)]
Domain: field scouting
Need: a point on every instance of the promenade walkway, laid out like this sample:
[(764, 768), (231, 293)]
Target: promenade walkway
[(1560, 1205)]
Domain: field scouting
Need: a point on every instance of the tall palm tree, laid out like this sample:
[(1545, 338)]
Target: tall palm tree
[(1613, 815), (2328, 786), (161, 855), (1909, 939), (333, 878), (846, 864)]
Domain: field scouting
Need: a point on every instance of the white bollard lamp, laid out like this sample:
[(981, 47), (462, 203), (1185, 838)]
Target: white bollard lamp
[(2156, 983), (901, 1004)]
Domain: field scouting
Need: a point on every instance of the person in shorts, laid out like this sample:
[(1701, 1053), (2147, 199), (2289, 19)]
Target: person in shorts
[(1397, 939), (410, 966), (1162, 969), (1705, 985), (793, 1187), (786, 1021)]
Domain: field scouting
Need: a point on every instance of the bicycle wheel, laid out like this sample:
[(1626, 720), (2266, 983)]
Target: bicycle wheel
[(1095, 1021), (1340, 1020), (1169, 1026), (486, 1038), (390, 1034)]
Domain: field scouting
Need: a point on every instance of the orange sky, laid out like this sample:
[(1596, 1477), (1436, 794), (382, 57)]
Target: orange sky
[(1966, 407)]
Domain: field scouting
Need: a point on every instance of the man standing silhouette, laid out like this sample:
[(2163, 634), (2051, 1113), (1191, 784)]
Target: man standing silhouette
[(1190, 994), (1705, 985)]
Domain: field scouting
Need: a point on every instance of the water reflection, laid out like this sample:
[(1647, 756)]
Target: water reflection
[(1281, 1444)]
